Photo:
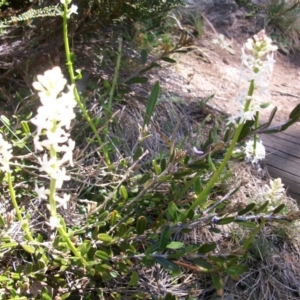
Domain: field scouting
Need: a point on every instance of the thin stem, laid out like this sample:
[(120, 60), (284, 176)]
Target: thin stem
[(73, 78), (71, 246), (201, 199), (24, 223)]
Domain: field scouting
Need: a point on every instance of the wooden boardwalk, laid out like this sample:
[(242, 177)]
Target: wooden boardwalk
[(283, 158)]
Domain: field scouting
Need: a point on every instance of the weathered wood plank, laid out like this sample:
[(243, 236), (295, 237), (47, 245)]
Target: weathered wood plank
[(283, 158)]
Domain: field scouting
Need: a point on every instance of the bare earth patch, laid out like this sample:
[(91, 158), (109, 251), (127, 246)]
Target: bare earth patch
[(220, 77)]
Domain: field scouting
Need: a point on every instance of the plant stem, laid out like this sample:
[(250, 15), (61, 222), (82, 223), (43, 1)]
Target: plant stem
[(201, 199), (73, 78), (24, 223)]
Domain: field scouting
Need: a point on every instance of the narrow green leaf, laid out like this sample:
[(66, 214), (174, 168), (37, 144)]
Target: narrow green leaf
[(103, 216), (9, 245), (151, 66), (246, 209), (28, 248), (151, 103), (262, 207), (168, 59), (197, 185), (137, 80), (278, 209), (5, 120), (137, 153), (102, 255), (237, 270), (226, 221), (25, 127), (164, 238), (167, 264), (172, 211), (156, 167), (141, 225), (249, 240), (295, 113), (163, 164), (202, 263), (123, 192), (104, 237), (246, 224), (265, 105), (175, 245), (217, 282), (144, 56), (207, 248), (134, 279), (169, 296)]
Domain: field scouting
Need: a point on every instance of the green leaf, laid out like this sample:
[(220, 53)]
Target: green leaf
[(167, 264), (197, 185), (226, 221), (137, 80), (246, 224), (134, 279), (202, 263), (164, 238), (249, 240), (163, 164), (236, 270), (156, 167), (246, 209), (295, 113), (217, 282), (144, 56), (5, 120), (123, 192), (175, 245), (168, 59), (151, 103), (265, 105), (104, 237), (207, 248), (9, 245), (141, 225), (25, 127), (278, 209), (172, 211), (84, 247), (151, 66), (137, 153), (28, 248), (102, 255), (169, 296), (262, 208)]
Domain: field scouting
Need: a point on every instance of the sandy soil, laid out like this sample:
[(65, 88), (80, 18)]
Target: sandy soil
[(221, 76)]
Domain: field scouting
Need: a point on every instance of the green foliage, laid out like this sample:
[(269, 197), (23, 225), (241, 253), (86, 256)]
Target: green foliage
[(144, 211), (133, 10), (50, 11)]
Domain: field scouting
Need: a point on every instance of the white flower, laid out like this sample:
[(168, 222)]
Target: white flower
[(60, 176), (62, 202), (65, 2), (52, 120), (51, 83), (72, 10), (275, 190), (256, 154), (5, 154), (42, 193), (54, 222)]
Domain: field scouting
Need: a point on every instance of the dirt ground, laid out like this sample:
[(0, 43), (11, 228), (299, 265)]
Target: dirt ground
[(221, 77)]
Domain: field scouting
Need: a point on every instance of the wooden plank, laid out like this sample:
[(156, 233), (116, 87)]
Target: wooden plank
[(283, 158)]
